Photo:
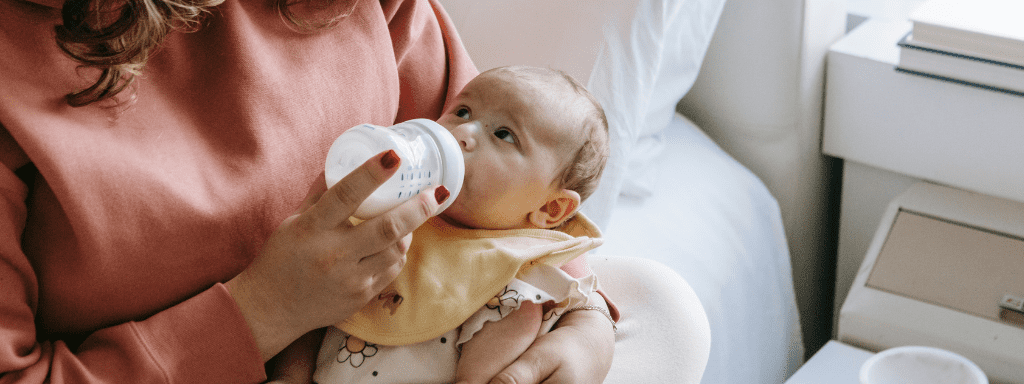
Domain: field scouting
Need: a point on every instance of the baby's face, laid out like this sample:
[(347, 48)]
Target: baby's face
[(515, 139)]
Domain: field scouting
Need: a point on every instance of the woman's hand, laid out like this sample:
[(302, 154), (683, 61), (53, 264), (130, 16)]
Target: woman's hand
[(317, 268), (579, 350)]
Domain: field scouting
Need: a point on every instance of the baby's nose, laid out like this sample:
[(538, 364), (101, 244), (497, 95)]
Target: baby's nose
[(466, 135)]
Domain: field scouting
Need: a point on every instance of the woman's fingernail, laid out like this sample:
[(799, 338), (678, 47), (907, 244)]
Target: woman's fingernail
[(441, 194), (390, 159)]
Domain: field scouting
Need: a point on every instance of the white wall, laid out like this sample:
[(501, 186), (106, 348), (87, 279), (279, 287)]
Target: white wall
[(887, 9)]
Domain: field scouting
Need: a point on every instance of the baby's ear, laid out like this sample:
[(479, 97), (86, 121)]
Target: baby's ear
[(559, 207)]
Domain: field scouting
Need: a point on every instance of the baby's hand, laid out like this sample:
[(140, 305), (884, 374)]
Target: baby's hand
[(295, 364)]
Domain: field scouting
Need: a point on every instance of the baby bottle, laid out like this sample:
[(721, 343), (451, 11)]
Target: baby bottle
[(430, 156)]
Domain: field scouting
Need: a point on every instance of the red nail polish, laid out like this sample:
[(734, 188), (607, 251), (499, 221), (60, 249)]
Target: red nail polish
[(390, 159), (441, 194)]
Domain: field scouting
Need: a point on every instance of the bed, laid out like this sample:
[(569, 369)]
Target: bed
[(713, 222), (694, 214)]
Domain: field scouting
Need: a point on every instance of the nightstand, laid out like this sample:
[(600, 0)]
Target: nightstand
[(835, 363), (894, 129)]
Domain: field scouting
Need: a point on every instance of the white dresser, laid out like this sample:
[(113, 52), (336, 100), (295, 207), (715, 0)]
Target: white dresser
[(894, 129)]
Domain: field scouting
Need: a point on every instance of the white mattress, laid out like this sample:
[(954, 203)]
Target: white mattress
[(714, 222)]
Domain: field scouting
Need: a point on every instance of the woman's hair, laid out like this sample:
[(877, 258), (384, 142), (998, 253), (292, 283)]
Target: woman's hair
[(117, 37), (583, 171)]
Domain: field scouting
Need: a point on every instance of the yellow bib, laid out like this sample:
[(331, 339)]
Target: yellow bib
[(451, 272)]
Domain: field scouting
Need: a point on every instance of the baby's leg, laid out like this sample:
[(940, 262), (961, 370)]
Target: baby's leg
[(498, 344)]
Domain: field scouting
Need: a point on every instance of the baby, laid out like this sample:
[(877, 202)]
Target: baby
[(482, 280)]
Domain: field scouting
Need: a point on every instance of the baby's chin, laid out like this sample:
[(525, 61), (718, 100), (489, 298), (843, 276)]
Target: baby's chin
[(454, 215), (463, 213), (451, 220), (459, 216)]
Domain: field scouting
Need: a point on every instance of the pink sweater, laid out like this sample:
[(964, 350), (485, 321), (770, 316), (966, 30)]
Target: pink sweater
[(117, 227)]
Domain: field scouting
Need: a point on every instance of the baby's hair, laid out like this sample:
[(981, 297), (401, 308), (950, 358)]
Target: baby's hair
[(583, 172)]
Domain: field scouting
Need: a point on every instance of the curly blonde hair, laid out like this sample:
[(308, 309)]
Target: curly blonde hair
[(117, 37)]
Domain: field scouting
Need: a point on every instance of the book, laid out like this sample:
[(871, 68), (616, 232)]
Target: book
[(983, 28), (959, 67)]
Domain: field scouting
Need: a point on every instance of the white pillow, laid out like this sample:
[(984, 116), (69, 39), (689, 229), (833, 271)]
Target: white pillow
[(645, 68), (638, 57)]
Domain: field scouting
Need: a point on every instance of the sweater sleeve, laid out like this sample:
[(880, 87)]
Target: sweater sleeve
[(201, 340)]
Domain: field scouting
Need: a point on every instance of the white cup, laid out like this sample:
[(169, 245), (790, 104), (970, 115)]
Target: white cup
[(430, 156), (920, 365)]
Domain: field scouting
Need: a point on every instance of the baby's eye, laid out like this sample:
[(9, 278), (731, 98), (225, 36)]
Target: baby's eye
[(505, 134), (462, 112)]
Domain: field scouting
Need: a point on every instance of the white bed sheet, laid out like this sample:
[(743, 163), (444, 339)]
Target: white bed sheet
[(715, 223)]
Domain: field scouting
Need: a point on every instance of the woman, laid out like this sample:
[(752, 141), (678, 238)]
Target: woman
[(153, 160)]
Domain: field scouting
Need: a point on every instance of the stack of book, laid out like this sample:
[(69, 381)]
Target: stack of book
[(973, 42)]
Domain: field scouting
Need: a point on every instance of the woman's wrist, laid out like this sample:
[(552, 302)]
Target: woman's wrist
[(270, 334), (593, 314), (600, 309)]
